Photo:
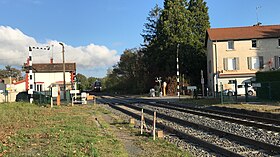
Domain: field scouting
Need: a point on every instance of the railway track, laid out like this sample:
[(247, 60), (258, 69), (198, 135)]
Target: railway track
[(221, 142), (248, 120)]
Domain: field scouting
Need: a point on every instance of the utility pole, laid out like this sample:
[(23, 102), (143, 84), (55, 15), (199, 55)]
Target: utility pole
[(63, 62), (202, 83)]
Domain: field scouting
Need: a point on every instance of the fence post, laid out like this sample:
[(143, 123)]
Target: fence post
[(154, 126), (222, 101), (235, 88), (246, 91), (142, 121), (51, 102)]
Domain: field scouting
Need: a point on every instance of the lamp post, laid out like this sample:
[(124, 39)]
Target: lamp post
[(63, 65)]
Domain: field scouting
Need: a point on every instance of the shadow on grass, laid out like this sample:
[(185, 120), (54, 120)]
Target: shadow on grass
[(145, 134), (119, 123)]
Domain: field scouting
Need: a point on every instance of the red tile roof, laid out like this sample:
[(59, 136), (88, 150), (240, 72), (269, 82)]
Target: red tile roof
[(54, 67), (250, 32)]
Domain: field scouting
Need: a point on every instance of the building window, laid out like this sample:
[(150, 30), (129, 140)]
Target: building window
[(231, 63), (31, 86), (30, 77), (39, 87), (254, 43), (276, 62), (255, 62), (279, 42), (230, 45)]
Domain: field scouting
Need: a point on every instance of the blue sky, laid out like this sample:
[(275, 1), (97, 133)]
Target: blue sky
[(96, 32)]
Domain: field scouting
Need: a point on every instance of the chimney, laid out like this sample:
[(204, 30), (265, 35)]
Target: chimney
[(51, 60), (258, 24)]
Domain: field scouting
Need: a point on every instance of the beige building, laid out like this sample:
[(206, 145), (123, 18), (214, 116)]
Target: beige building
[(238, 53)]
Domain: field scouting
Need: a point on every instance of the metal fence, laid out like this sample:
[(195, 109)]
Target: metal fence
[(241, 93)]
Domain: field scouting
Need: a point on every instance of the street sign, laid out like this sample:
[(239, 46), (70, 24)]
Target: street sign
[(256, 84), (30, 91), (202, 80), (191, 87), (74, 91), (54, 91)]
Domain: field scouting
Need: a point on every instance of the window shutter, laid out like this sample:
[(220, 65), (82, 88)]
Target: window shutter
[(236, 63), (276, 60), (225, 63), (261, 62), (249, 60)]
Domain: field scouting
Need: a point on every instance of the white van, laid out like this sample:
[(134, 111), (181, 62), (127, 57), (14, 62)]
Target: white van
[(240, 90)]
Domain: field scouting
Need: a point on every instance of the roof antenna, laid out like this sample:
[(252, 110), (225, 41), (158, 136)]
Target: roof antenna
[(257, 9), (51, 60)]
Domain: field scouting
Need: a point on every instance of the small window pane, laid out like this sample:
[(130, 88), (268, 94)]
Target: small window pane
[(230, 45), (256, 62), (231, 64), (254, 43), (279, 42)]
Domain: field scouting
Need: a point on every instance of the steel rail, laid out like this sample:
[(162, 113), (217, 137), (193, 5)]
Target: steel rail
[(206, 113), (236, 115), (180, 134), (266, 146)]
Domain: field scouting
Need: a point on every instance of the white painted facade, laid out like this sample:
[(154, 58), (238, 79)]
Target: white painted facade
[(45, 80), (20, 87)]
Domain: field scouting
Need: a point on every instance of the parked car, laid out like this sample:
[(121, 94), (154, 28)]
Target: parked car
[(240, 90)]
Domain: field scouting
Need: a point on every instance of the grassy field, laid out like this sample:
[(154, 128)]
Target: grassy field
[(30, 130)]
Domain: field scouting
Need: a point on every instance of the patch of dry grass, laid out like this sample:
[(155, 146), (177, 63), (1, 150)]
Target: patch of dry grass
[(255, 107), (29, 130)]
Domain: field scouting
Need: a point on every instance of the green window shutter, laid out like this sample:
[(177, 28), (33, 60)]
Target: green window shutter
[(225, 64), (236, 63), (261, 62), (249, 61), (276, 62)]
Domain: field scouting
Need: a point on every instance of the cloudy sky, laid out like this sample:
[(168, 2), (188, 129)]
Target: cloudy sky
[(14, 46), (96, 32)]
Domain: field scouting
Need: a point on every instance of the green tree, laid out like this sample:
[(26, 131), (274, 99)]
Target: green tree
[(150, 44), (172, 29), (194, 57), (91, 81), (83, 82), (184, 24), (199, 22), (128, 75), (10, 72), (149, 32), (179, 22)]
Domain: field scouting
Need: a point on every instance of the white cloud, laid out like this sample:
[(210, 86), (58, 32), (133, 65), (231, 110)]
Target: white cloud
[(14, 51)]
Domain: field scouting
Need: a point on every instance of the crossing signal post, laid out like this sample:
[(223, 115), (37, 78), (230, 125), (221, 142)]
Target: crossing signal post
[(30, 73), (178, 73)]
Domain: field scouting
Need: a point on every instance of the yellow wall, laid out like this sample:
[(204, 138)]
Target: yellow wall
[(268, 48)]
